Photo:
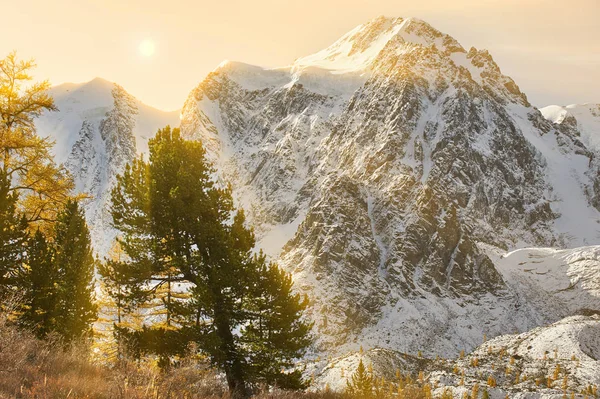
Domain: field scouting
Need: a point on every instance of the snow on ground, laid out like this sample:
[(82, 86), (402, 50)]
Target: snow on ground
[(334, 372), (76, 103), (560, 281), (544, 284), (275, 238), (357, 50), (565, 354), (347, 55), (252, 77), (520, 364)]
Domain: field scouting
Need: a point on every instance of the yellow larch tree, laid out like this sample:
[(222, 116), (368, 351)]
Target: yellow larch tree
[(25, 158)]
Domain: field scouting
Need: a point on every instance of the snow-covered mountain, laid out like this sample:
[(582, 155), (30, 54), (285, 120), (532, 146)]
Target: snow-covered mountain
[(98, 129), (383, 171)]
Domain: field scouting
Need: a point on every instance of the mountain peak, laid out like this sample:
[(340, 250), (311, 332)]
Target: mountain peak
[(358, 49), (97, 91), (98, 81)]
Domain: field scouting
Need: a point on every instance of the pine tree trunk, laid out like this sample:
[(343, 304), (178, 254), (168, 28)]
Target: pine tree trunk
[(169, 300), (231, 358)]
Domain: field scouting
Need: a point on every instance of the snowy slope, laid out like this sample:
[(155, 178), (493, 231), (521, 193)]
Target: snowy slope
[(584, 117), (542, 285), (357, 51), (95, 140), (548, 361), (567, 352), (562, 282)]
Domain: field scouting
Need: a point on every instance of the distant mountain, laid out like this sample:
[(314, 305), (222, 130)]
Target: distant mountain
[(99, 128)]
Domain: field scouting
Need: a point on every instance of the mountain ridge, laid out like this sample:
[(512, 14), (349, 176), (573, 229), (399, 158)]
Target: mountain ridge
[(101, 84)]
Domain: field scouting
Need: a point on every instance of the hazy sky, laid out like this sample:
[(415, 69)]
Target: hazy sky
[(550, 47)]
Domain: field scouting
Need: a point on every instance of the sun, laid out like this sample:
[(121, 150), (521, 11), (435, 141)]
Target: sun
[(147, 48)]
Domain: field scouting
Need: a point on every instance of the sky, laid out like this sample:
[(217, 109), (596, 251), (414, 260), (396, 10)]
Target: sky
[(159, 50)]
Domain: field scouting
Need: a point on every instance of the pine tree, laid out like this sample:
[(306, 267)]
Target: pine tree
[(274, 330), (361, 382), (39, 280), (13, 235), (75, 263), (111, 305), (114, 282), (178, 227)]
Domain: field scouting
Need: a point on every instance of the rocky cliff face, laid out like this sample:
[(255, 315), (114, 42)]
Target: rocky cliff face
[(100, 153), (379, 170), (560, 282)]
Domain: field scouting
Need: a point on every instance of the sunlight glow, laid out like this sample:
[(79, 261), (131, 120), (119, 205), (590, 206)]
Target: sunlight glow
[(147, 48)]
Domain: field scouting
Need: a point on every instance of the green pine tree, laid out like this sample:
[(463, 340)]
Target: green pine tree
[(178, 227), (39, 283), (75, 264), (112, 305), (361, 382), (13, 235), (275, 332)]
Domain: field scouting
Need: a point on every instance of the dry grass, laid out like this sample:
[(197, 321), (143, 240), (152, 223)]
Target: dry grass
[(31, 368)]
